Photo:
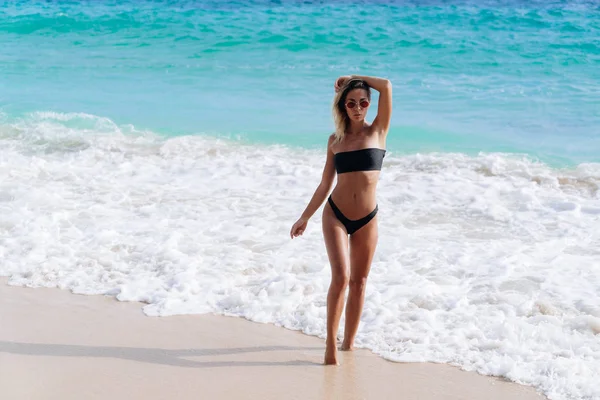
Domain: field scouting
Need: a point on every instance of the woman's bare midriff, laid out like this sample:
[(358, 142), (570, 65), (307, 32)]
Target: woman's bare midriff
[(355, 193)]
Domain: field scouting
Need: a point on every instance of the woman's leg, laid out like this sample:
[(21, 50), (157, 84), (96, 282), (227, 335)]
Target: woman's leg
[(336, 242), (362, 248)]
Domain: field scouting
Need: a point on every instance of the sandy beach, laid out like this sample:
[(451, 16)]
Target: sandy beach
[(57, 345)]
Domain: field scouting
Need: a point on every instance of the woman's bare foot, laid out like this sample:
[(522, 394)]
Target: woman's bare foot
[(331, 356), (347, 346)]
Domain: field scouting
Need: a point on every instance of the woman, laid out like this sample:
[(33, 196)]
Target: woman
[(355, 151)]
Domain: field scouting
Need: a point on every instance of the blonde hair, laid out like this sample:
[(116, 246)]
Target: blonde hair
[(341, 120)]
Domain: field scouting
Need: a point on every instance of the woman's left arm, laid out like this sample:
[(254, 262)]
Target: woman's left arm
[(381, 123)]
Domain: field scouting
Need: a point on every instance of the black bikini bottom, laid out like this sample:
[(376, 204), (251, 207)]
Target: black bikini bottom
[(351, 226)]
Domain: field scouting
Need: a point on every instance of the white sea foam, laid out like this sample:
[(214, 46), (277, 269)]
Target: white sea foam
[(490, 262)]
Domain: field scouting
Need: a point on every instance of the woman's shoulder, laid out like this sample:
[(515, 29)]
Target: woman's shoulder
[(331, 142)]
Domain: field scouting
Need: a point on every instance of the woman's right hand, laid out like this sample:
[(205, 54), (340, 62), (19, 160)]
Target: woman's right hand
[(339, 82), (298, 228)]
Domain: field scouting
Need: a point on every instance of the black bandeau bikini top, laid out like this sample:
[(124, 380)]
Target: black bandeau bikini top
[(369, 159)]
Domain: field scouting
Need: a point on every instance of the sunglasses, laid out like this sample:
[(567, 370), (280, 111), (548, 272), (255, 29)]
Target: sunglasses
[(362, 104)]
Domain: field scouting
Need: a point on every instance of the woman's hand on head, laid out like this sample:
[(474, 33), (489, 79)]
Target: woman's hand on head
[(339, 82), (298, 228)]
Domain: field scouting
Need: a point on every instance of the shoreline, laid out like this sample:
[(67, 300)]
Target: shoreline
[(55, 344)]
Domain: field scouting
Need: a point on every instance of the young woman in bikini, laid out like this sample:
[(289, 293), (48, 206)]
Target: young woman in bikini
[(355, 151)]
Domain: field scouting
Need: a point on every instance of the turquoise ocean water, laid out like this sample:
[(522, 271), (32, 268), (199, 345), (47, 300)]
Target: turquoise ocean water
[(468, 76)]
